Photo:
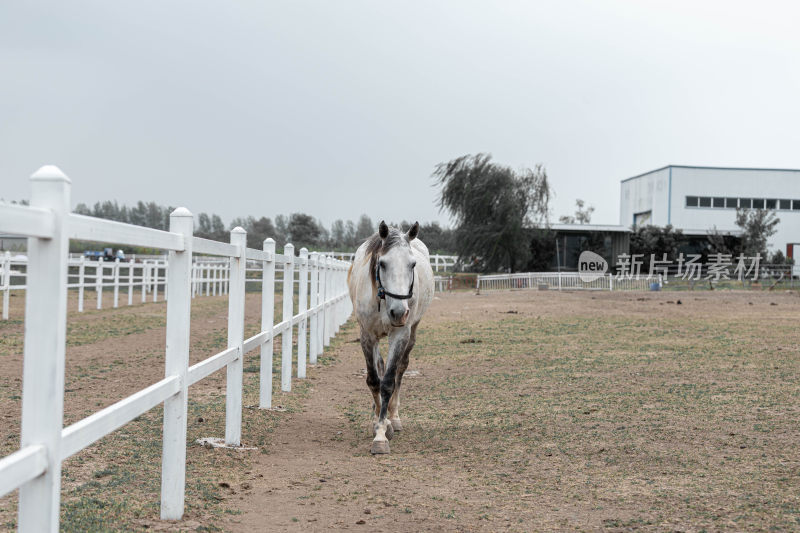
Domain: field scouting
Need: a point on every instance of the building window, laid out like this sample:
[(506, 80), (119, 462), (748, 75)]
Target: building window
[(742, 203)]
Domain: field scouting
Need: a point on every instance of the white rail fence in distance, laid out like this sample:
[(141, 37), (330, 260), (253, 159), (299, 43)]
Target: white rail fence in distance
[(562, 281)]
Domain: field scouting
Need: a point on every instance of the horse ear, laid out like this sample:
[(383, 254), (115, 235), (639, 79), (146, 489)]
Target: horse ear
[(412, 233), (383, 230)]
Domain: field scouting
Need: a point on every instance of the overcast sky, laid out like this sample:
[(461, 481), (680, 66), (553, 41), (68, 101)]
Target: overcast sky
[(337, 108)]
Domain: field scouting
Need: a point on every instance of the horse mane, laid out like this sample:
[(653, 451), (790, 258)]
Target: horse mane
[(376, 247)]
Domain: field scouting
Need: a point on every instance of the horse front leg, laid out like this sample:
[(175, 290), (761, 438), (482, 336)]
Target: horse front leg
[(398, 341), (402, 365), (369, 345)]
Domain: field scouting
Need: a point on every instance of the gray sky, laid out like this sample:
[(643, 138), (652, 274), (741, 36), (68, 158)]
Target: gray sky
[(335, 108)]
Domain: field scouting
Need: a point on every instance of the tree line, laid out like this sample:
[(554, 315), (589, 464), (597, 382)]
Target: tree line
[(300, 229)]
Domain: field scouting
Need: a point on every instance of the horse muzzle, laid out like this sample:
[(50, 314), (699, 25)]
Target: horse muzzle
[(398, 317)]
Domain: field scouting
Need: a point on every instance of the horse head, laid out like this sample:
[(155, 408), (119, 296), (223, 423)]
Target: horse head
[(393, 266)]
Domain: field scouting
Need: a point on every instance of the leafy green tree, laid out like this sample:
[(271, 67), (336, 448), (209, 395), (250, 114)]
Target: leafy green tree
[(542, 243), (350, 235), (492, 205), (758, 225), (304, 231), (218, 231), (439, 240), (365, 229), (583, 215), (337, 239), (656, 240), (261, 229), (281, 230)]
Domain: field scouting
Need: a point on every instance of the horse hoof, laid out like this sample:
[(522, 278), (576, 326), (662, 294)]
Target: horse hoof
[(396, 425), (379, 447)]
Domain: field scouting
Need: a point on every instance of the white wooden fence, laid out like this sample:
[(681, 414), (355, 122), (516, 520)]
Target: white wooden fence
[(209, 277), (443, 283), (563, 281), (36, 468)]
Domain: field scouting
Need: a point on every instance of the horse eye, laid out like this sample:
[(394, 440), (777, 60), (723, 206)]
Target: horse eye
[(382, 264), (414, 264)]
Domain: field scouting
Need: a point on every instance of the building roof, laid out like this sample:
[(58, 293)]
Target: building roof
[(710, 168), (609, 228)]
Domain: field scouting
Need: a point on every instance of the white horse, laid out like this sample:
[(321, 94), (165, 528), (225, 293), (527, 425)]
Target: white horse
[(391, 286)]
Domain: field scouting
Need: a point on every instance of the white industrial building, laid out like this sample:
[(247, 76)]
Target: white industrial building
[(698, 199)]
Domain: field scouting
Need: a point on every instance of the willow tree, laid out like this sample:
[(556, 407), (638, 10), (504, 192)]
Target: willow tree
[(493, 207)]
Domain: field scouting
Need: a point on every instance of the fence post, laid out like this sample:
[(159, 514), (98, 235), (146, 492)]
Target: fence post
[(130, 282), (144, 281), (6, 283), (267, 324), (321, 303), (81, 282), (211, 283), (313, 323), (45, 341), (233, 393), (116, 283), (342, 292), (98, 282), (194, 280), (154, 279), (329, 291), (288, 308), (302, 307), (179, 308)]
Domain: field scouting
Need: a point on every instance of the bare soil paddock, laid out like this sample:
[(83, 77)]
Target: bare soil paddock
[(528, 411)]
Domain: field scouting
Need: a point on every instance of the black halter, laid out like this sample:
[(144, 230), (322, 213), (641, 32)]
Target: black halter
[(383, 293)]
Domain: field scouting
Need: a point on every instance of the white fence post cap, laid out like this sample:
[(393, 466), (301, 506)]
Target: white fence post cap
[(181, 212), (238, 229), (50, 173)]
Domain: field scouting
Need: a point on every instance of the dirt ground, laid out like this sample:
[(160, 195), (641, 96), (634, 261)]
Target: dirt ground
[(522, 411)]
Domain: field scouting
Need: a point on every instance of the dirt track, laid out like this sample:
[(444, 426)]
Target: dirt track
[(530, 411)]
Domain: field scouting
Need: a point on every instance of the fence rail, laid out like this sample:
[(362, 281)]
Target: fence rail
[(210, 276), (768, 277), (36, 468)]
